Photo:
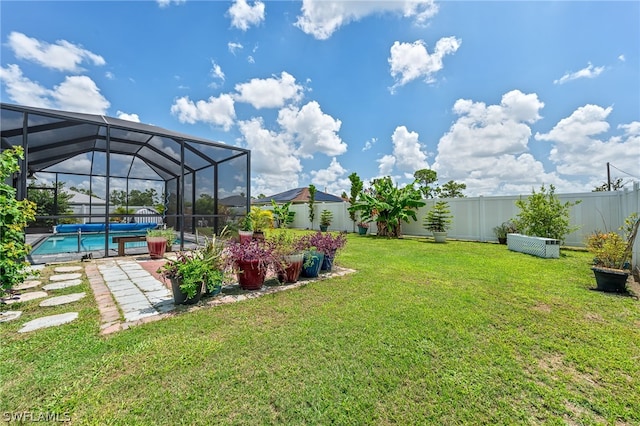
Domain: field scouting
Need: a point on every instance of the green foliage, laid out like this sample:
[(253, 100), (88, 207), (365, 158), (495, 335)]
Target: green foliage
[(438, 218), (148, 197), (282, 214), (167, 233), (424, 178), (451, 189), (121, 211), (505, 228), (326, 217), (543, 215), (49, 202), (312, 200), (616, 185), (388, 206), (192, 269), (205, 204), (14, 216), (261, 219), (246, 224), (356, 189)]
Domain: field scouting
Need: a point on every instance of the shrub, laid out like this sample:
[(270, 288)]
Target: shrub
[(543, 215), (14, 216)]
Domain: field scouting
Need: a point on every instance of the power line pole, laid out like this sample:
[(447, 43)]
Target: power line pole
[(608, 177)]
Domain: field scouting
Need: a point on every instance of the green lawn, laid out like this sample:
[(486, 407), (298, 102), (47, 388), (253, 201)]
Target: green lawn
[(422, 333)]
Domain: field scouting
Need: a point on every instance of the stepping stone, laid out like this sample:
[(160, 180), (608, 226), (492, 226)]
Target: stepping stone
[(25, 297), (61, 284), (9, 315), (28, 284), (50, 321), (64, 277), (62, 300), (65, 269)]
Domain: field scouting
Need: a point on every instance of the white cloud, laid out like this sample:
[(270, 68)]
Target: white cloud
[(407, 154), (313, 129), (110, 75), (487, 147), (410, 61), (218, 111), (131, 117), (243, 15), (23, 91), (322, 18), (274, 166), (61, 56), (386, 164), (216, 71), (166, 3), (369, 144), (588, 72), (326, 177), (622, 58), (75, 93), (577, 151), (233, 47), (251, 59), (270, 92), (80, 93)]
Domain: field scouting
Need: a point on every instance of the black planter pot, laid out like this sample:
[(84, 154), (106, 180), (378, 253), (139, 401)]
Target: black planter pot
[(610, 280), (180, 298)]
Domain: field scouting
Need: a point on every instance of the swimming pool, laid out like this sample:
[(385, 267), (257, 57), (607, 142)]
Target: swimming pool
[(68, 243)]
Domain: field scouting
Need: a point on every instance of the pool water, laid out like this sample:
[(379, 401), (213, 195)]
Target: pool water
[(68, 243)]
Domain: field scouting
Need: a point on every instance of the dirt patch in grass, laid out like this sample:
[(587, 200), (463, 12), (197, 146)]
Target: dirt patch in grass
[(542, 307)]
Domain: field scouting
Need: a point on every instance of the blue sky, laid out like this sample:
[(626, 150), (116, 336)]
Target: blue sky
[(503, 96)]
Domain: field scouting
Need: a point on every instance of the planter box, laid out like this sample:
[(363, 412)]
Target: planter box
[(537, 246)]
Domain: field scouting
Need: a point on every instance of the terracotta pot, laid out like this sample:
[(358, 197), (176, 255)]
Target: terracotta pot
[(245, 236), (292, 272), (157, 247), (251, 276)]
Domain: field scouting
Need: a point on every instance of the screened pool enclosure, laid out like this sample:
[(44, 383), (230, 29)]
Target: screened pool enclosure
[(86, 169)]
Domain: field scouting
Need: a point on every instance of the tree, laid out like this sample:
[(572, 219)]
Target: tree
[(118, 197), (543, 215), (14, 216), (83, 191), (356, 188), (388, 206), (615, 186), (312, 199), (282, 215), (205, 204), (424, 178), (451, 189), (49, 201)]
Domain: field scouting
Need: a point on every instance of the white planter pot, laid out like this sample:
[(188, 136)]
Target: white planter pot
[(440, 237)]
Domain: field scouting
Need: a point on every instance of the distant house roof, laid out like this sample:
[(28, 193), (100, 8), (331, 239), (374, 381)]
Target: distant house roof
[(299, 195), (234, 201), (80, 198)]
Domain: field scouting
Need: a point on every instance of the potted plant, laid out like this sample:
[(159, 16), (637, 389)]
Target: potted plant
[(611, 264), (260, 220), (213, 254), (156, 243), (245, 234), (363, 227), (328, 244), (438, 221), (289, 249), (501, 231), (326, 217), (188, 273), (251, 261)]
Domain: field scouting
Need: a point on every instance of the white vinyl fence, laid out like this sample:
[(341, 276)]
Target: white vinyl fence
[(475, 217)]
